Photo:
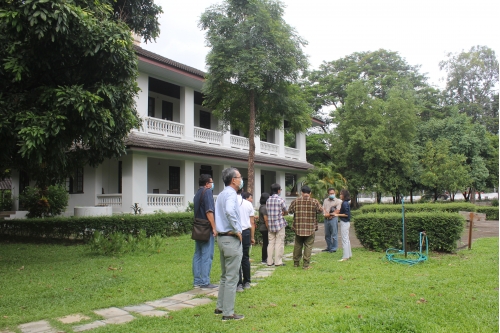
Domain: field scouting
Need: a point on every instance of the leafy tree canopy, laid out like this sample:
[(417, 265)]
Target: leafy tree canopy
[(472, 84), (67, 78)]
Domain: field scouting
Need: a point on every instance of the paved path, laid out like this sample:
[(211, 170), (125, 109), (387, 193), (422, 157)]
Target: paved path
[(156, 308)]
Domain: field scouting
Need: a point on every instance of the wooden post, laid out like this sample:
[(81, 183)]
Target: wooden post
[(470, 229)]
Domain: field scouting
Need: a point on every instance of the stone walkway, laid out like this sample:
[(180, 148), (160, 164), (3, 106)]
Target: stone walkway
[(156, 308)]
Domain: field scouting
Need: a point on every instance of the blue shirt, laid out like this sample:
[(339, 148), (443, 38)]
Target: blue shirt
[(345, 209), (207, 205), (227, 211)]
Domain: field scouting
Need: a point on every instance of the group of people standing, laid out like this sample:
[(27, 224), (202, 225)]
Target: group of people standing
[(232, 221)]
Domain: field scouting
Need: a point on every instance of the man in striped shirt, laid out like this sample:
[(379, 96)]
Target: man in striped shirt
[(305, 223)]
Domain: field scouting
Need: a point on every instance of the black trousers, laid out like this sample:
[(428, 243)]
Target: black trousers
[(245, 260), (265, 243)]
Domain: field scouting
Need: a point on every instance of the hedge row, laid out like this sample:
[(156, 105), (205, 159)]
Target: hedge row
[(382, 231), (171, 224), (491, 212), (289, 234), (452, 207)]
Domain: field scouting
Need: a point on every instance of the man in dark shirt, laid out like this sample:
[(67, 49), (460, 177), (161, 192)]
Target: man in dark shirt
[(204, 251)]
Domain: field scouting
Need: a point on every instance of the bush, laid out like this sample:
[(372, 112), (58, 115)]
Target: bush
[(51, 201), (5, 200), (491, 212), (119, 243), (494, 202), (171, 224), (379, 232), (452, 207)]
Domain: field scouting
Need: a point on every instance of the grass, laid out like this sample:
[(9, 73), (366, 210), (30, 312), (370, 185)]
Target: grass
[(449, 293)]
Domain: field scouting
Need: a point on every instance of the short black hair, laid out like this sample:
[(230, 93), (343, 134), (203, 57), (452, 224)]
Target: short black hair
[(275, 188), (246, 195), (345, 193), (331, 189), (306, 189), (263, 198), (204, 179)]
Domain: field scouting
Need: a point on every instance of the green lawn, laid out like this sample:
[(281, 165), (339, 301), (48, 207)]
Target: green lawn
[(449, 293)]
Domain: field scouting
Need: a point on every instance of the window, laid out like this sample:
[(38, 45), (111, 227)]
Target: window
[(207, 170), (167, 110), (74, 183), (151, 107), (235, 132), (174, 180), (205, 119)]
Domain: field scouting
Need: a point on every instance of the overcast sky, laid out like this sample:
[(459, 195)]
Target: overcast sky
[(422, 32)]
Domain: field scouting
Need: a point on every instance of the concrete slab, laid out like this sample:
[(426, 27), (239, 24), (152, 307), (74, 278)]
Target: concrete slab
[(120, 319), (88, 327), (262, 274), (154, 313), (75, 318), (178, 306), (41, 326), (138, 308), (199, 291), (182, 297), (214, 293), (111, 312), (198, 301), (161, 303)]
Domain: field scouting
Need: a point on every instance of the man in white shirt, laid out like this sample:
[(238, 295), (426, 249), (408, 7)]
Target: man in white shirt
[(247, 218)]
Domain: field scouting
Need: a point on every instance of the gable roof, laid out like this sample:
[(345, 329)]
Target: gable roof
[(169, 62), (145, 141)]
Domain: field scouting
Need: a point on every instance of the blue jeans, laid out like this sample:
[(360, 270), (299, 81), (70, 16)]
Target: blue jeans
[(331, 233), (202, 261)]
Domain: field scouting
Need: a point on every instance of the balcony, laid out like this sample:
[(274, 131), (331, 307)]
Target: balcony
[(207, 136), (164, 127)]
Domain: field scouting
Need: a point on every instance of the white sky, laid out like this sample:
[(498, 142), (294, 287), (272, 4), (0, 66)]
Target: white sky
[(421, 31)]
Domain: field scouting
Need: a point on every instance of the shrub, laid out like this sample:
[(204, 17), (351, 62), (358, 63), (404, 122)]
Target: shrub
[(51, 201), (5, 200), (491, 212), (452, 207), (494, 202), (382, 231), (83, 227), (289, 234)]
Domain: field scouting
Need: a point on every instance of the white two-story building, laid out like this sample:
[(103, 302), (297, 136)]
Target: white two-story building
[(180, 139)]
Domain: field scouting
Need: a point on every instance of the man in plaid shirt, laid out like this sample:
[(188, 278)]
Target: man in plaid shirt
[(276, 208), (305, 223)]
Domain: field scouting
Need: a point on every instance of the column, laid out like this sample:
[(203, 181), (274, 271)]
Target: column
[(280, 179), (14, 175), (187, 112), (257, 187), (226, 136), (257, 144), (279, 139), (188, 180), (142, 97), (300, 144), (134, 181)]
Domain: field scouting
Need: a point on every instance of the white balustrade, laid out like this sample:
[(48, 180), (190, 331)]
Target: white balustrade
[(165, 127), (292, 153), (114, 200), (239, 142), (162, 200), (206, 135), (269, 148)]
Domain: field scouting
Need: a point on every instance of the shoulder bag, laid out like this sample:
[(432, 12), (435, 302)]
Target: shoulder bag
[(201, 227)]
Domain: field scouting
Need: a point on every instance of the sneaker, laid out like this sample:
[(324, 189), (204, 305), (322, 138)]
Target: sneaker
[(217, 312), (196, 286), (270, 265), (283, 264), (325, 250), (239, 288), (209, 286), (263, 262), (247, 285), (344, 259), (233, 317), (332, 251)]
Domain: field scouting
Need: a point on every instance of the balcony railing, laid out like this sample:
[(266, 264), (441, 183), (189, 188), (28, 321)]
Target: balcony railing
[(239, 142), (114, 200), (163, 200), (164, 127), (292, 153), (206, 135), (269, 148)]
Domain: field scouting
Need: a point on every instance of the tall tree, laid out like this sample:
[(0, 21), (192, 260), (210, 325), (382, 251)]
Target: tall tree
[(254, 61), (67, 82), (472, 84)]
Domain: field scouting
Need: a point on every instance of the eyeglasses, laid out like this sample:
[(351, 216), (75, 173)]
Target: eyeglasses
[(237, 177)]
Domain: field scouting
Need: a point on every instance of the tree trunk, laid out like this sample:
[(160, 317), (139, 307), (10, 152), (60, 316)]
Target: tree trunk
[(411, 195), (472, 195), (354, 200), (251, 148), (379, 197)]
